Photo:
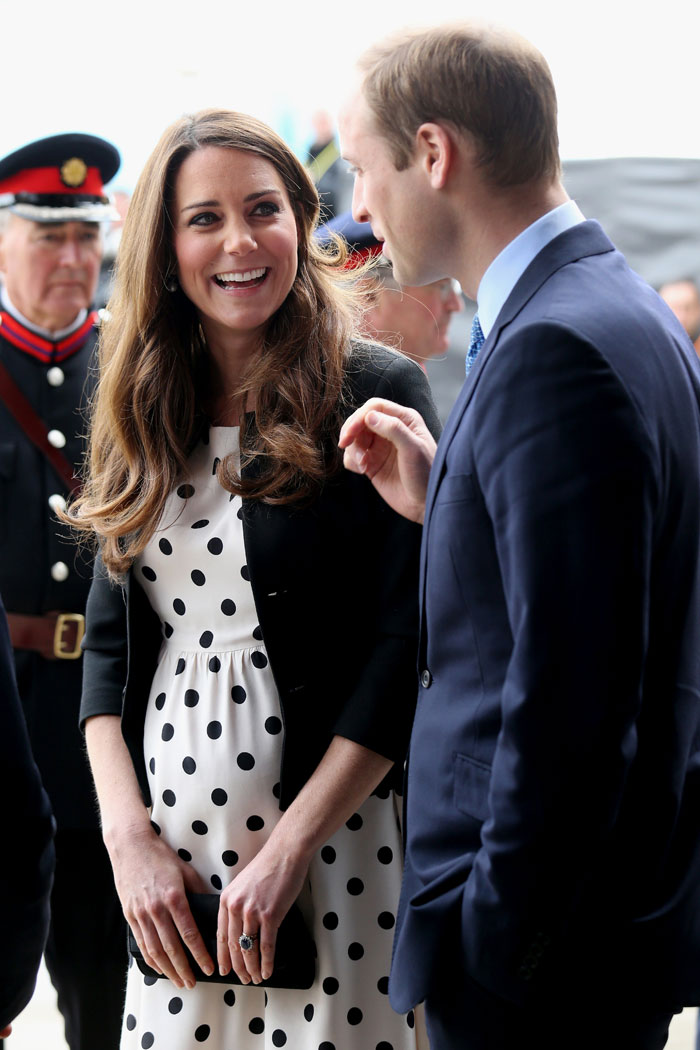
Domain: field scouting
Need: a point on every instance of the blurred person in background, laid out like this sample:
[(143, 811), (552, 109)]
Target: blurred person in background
[(327, 169), (683, 297), (414, 320), (52, 202)]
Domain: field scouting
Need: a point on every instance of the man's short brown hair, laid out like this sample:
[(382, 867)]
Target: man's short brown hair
[(488, 83)]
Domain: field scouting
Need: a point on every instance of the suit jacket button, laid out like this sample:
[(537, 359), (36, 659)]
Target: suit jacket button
[(426, 679)]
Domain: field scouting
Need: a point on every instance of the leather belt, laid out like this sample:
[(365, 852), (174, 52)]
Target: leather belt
[(56, 635)]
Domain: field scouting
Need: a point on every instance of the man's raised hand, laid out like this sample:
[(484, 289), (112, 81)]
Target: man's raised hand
[(393, 447)]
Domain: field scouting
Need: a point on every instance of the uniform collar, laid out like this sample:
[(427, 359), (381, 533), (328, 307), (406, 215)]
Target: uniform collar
[(49, 347)]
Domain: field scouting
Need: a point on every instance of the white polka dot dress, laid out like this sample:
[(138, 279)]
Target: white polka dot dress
[(213, 744)]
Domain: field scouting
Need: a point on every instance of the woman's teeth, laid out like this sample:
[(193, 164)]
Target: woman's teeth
[(225, 280)]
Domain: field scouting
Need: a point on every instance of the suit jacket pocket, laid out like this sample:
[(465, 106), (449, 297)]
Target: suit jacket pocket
[(455, 488), (471, 786)]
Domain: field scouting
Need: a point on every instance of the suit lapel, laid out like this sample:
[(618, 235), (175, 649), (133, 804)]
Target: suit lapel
[(588, 238)]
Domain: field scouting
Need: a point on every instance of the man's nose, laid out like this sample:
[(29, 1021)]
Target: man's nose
[(359, 210), (71, 253)]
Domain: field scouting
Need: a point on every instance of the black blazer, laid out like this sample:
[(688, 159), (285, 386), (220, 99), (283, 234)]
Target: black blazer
[(335, 585), (26, 830)]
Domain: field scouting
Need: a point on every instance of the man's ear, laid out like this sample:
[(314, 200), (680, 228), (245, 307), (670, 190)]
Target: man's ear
[(435, 151)]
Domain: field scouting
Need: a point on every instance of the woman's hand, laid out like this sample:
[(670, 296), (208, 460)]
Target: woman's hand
[(151, 881), (394, 448), (255, 903)]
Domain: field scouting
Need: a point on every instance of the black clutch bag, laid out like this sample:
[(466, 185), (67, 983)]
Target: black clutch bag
[(295, 951)]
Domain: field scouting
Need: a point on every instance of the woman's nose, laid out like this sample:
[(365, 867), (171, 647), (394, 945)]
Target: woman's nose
[(239, 239)]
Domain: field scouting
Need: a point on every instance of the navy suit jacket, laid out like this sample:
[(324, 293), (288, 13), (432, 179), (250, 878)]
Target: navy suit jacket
[(553, 807), (26, 832)]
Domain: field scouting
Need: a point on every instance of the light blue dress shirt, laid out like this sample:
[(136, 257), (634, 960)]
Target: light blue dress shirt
[(509, 265)]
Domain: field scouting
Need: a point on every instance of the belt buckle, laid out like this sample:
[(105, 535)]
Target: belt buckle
[(63, 621)]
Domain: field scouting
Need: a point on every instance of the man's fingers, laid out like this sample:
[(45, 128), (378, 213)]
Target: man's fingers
[(353, 426)]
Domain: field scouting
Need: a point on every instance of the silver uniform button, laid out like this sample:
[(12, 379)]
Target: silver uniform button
[(59, 571), (56, 438), (57, 502), (55, 376)]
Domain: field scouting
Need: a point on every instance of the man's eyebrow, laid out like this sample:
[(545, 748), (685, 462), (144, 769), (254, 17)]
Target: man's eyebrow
[(251, 197)]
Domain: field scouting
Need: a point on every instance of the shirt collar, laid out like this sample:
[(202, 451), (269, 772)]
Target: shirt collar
[(509, 265), (53, 337)]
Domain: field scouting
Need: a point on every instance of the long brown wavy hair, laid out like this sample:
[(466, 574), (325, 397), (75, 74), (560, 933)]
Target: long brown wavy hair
[(147, 413)]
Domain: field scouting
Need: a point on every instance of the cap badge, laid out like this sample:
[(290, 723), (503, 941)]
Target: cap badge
[(73, 172)]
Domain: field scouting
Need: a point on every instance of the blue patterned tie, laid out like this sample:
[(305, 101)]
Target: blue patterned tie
[(476, 341)]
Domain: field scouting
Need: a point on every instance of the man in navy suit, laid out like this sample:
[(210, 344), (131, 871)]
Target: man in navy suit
[(26, 833), (552, 886)]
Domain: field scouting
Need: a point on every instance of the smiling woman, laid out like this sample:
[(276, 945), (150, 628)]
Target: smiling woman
[(263, 701)]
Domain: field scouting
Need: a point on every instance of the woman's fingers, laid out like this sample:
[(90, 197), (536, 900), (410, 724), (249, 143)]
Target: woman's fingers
[(160, 931)]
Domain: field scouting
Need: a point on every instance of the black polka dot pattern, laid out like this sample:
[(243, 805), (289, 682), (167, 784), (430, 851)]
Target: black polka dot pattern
[(213, 743)]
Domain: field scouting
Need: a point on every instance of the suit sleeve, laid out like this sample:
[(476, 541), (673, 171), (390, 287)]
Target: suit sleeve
[(570, 481), (26, 872), (379, 712)]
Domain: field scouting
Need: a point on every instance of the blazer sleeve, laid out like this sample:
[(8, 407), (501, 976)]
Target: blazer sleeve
[(379, 711), (105, 659), (26, 872), (569, 477)]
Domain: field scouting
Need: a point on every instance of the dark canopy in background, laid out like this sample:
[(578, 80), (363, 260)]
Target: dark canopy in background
[(650, 209)]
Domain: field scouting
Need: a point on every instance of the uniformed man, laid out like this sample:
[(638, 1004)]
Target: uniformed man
[(415, 320), (52, 202)]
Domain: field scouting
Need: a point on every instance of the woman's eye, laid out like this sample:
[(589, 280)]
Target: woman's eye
[(204, 218), (265, 208)]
